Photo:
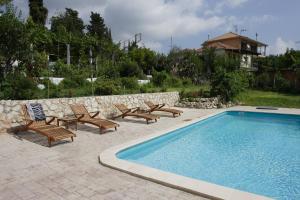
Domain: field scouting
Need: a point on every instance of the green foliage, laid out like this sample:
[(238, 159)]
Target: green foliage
[(38, 12), (263, 81), (187, 82), (14, 45), (129, 69), (107, 87), (4, 2), (267, 98), (194, 94), (145, 58), (74, 80), (97, 27), (229, 84), (18, 86), (281, 84), (159, 78), (70, 20), (60, 69), (186, 64), (130, 83), (173, 81)]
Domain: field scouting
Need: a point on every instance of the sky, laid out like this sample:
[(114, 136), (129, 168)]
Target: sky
[(189, 22)]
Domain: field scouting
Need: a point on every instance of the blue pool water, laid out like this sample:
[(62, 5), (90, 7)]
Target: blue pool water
[(253, 152)]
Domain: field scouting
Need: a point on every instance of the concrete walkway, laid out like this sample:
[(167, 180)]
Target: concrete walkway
[(30, 170)]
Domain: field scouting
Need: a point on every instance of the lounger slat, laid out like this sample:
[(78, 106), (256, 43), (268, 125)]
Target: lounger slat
[(51, 131), (84, 116), (130, 112)]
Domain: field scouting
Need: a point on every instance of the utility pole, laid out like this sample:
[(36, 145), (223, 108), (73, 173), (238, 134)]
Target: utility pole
[(256, 36), (92, 70), (171, 44), (236, 30), (68, 55), (48, 83)]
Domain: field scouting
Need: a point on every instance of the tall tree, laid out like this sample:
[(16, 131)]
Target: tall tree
[(38, 12), (97, 27), (70, 20)]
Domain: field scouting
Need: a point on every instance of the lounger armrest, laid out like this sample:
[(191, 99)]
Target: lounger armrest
[(27, 121), (135, 109), (94, 115), (79, 115), (161, 105), (51, 120)]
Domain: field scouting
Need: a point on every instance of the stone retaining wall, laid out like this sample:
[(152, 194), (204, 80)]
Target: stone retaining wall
[(203, 103), (10, 111)]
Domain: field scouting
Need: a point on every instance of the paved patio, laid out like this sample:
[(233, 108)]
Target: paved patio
[(31, 170)]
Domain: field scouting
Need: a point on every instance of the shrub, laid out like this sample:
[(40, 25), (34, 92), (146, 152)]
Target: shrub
[(263, 81), (74, 81), (281, 84), (173, 81), (130, 69), (229, 84), (130, 83), (187, 82), (159, 78), (194, 94), (107, 87), (18, 86)]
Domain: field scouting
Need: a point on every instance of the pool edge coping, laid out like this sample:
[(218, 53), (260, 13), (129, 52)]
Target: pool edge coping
[(109, 159)]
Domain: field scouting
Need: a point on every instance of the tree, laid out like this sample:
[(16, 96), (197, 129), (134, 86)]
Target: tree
[(186, 64), (97, 27), (145, 58), (38, 12), (70, 20), (4, 2), (227, 79), (14, 45)]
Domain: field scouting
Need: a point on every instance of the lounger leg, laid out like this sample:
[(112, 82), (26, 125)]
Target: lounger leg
[(72, 139), (49, 142), (147, 121), (101, 130), (115, 128)]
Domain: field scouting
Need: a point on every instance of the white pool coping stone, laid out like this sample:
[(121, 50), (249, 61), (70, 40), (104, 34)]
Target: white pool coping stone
[(205, 189)]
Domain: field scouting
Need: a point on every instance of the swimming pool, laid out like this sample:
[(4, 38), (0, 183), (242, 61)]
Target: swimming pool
[(248, 151)]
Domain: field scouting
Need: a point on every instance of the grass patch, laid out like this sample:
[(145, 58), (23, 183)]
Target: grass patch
[(190, 88), (265, 98)]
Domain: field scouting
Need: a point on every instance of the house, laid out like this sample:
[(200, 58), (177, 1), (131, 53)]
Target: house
[(237, 45)]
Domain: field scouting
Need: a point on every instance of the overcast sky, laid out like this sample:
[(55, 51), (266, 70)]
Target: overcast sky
[(189, 22)]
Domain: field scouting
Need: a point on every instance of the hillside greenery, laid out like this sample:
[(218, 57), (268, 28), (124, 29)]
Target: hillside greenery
[(29, 50)]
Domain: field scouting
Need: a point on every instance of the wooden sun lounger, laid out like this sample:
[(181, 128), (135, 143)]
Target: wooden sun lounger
[(51, 131), (159, 107), (84, 116), (133, 112)]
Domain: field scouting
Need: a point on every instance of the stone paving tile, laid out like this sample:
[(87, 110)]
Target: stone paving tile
[(30, 170)]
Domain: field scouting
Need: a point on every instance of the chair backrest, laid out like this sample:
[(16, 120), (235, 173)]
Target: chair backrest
[(150, 104), (79, 109), (27, 117), (122, 107)]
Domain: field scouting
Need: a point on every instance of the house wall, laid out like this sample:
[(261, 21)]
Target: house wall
[(10, 110)]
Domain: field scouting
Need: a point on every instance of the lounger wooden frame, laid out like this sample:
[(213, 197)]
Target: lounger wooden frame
[(133, 112), (84, 116), (44, 127), (159, 107)]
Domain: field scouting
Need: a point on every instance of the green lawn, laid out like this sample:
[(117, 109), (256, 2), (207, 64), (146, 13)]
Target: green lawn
[(263, 98), (190, 88)]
